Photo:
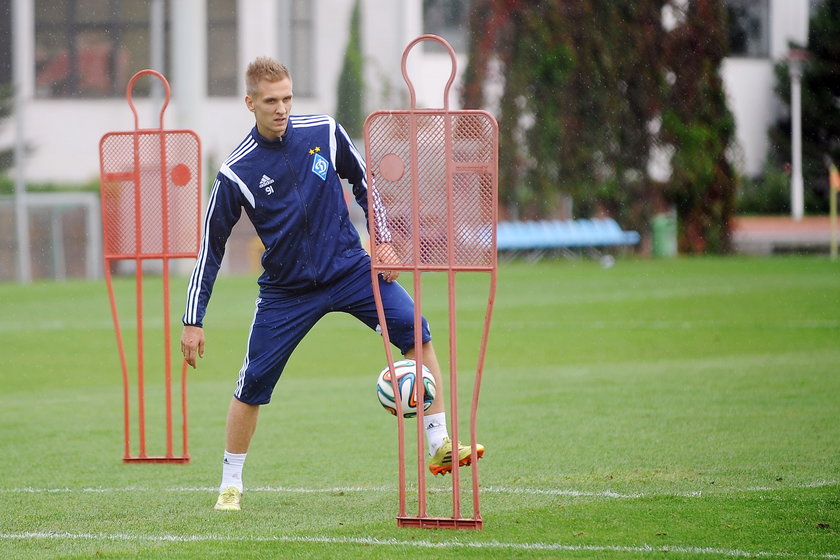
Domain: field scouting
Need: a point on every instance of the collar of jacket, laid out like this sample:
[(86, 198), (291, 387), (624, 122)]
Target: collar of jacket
[(275, 143)]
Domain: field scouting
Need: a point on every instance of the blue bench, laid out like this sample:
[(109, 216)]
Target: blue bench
[(562, 234)]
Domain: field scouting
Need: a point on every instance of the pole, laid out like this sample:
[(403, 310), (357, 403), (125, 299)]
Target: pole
[(833, 202), (189, 61), (21, 25), (797, 203), (157, 23), (834, 188)]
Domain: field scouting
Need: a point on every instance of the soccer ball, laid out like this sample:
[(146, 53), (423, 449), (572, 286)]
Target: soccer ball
[(406, 372)]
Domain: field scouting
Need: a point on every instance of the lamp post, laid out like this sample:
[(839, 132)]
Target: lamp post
[(796, 59)]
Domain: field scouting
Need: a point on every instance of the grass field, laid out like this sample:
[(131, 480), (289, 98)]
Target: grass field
[(685, 408)]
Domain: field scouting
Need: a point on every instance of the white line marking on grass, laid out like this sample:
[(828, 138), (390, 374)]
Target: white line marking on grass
[(708, 324), (609, 494), (486, 489), (815, 484), (368, 541)]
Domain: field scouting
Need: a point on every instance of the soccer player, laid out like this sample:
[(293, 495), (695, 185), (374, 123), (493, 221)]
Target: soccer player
[(286, 175)]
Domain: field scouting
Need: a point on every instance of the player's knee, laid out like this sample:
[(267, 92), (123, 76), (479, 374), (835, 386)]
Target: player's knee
[(403, 334)]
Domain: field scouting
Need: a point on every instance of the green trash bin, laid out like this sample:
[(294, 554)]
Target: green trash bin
[(664, 228)]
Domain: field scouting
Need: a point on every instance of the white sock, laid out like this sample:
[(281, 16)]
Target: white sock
[(232, 470), (435, 431)]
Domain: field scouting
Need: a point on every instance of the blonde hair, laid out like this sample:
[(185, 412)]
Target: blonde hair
[(264, 68)]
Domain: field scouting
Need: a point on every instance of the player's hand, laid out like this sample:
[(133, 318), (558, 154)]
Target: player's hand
[(192, 344), (387, 255)]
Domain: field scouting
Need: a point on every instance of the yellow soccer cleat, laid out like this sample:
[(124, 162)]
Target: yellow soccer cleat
[(441, 463), (229, 499)]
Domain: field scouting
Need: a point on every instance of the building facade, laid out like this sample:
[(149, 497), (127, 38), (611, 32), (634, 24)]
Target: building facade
[(76, 56), (760, 33)]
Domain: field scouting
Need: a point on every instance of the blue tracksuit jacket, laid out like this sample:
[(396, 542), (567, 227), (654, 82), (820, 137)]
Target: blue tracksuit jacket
[(291, 190)]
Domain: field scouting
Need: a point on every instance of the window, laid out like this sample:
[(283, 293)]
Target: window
[(296, 48), (222, 75), (90, 48), (749, 26), (448, 19)]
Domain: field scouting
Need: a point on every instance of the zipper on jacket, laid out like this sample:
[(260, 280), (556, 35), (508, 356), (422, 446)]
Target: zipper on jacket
[(305, 221)]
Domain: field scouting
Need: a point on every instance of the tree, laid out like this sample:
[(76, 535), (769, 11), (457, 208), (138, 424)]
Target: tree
[(820, 108), (699, 127), (350, 111), (584, 93), (576, 102)]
